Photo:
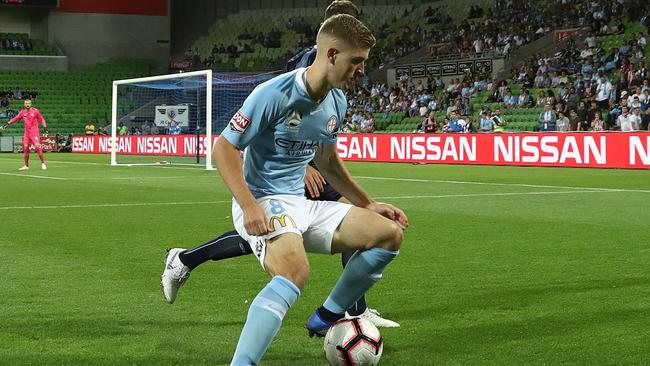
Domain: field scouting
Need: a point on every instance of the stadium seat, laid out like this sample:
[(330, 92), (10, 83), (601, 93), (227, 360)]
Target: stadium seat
[(63, 94)]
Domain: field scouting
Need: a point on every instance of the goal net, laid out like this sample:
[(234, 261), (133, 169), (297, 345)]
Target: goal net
[(174, 119)]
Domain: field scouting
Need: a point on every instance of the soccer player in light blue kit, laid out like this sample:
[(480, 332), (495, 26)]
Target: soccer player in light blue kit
[(179, 262), (283, 124)]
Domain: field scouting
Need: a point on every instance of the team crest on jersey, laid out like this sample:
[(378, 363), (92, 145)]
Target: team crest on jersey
[(293, 121), (331, 125), (239, 123)]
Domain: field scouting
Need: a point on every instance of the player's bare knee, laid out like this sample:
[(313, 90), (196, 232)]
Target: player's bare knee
[(297, 271), (395, 237), (300, 275), (389, 238)]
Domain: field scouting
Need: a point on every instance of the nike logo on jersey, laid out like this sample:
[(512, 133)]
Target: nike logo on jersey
[(316, 111)]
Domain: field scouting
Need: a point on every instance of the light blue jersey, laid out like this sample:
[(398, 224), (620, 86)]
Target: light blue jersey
[(281, 127)]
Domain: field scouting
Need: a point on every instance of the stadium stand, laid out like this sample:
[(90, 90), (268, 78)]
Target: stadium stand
[(612, 43), (69, 99), (614, 46), (263, 39), (21, 44)]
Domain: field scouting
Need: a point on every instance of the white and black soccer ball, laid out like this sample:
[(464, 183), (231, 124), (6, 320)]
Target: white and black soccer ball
[(354, 341)]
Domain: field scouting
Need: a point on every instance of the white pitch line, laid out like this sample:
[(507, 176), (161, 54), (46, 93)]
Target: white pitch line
[(501, 184), (33, 176), (77, 162), (104, 205), (152, 177), (404, 179), (54, 162), (493, 194), (197, 168)]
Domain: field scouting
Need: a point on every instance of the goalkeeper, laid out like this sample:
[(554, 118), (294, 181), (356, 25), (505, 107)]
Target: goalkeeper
[(30, 116), (179, 262)]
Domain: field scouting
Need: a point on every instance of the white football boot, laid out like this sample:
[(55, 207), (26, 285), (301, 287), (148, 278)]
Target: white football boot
[(375, 318), (43, 166), (174, 275), (25, 167)]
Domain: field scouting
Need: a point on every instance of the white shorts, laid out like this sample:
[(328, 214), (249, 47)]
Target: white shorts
[(314, 221)]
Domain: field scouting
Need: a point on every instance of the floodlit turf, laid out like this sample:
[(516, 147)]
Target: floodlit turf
[(501, 266)]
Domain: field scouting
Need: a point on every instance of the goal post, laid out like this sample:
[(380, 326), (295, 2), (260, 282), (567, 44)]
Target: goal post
[(172, 119), (163, 120)]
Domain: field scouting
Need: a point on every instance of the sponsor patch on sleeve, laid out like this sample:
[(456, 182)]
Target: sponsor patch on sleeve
[(239, 123)]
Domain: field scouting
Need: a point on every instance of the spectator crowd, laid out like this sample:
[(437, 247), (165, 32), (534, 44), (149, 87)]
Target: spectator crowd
[(422, 99), (11, 44), (7, 95), (582, 87), (585, 87)]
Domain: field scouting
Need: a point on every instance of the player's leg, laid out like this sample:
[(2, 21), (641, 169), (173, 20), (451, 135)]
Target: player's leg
[(377, 241), (287, 264), (25, 153), (180, 262), (39, 150), (283, 256), (331, 194), (225, 246), (360, 308)]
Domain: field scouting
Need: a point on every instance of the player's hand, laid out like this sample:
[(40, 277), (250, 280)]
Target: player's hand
[(391, 212), (314, 182), (255, 221)]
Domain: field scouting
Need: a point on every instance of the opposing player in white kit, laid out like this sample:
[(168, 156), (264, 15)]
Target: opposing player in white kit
[(283, 124)]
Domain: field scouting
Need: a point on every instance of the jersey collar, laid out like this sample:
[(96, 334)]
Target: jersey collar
[(300, 80)]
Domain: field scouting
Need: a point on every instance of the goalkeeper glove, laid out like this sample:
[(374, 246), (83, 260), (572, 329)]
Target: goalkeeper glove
[(3, 127)]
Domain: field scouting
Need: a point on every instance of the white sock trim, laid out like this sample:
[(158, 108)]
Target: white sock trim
[(277, 309)]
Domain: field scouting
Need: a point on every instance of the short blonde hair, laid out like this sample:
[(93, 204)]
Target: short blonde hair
[(348, 29)]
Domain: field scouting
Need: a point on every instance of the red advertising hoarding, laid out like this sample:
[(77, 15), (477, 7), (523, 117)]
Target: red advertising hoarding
[(593, 150), (48, 144), (163, 145), (130, 7), (562, 34)]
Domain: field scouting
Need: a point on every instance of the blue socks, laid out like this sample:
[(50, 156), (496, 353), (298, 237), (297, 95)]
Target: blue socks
[(362, 271), (264, 320), (272, 303)]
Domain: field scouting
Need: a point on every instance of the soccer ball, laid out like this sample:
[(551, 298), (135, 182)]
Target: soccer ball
[(354, 341)]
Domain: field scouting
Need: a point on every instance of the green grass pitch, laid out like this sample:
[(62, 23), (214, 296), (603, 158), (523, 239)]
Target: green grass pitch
[(501, 266)]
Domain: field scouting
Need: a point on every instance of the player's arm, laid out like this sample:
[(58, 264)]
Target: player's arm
[(16, 118), (314, 181), (40, 116), (226, 158), (331, 167), (248, 123)]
